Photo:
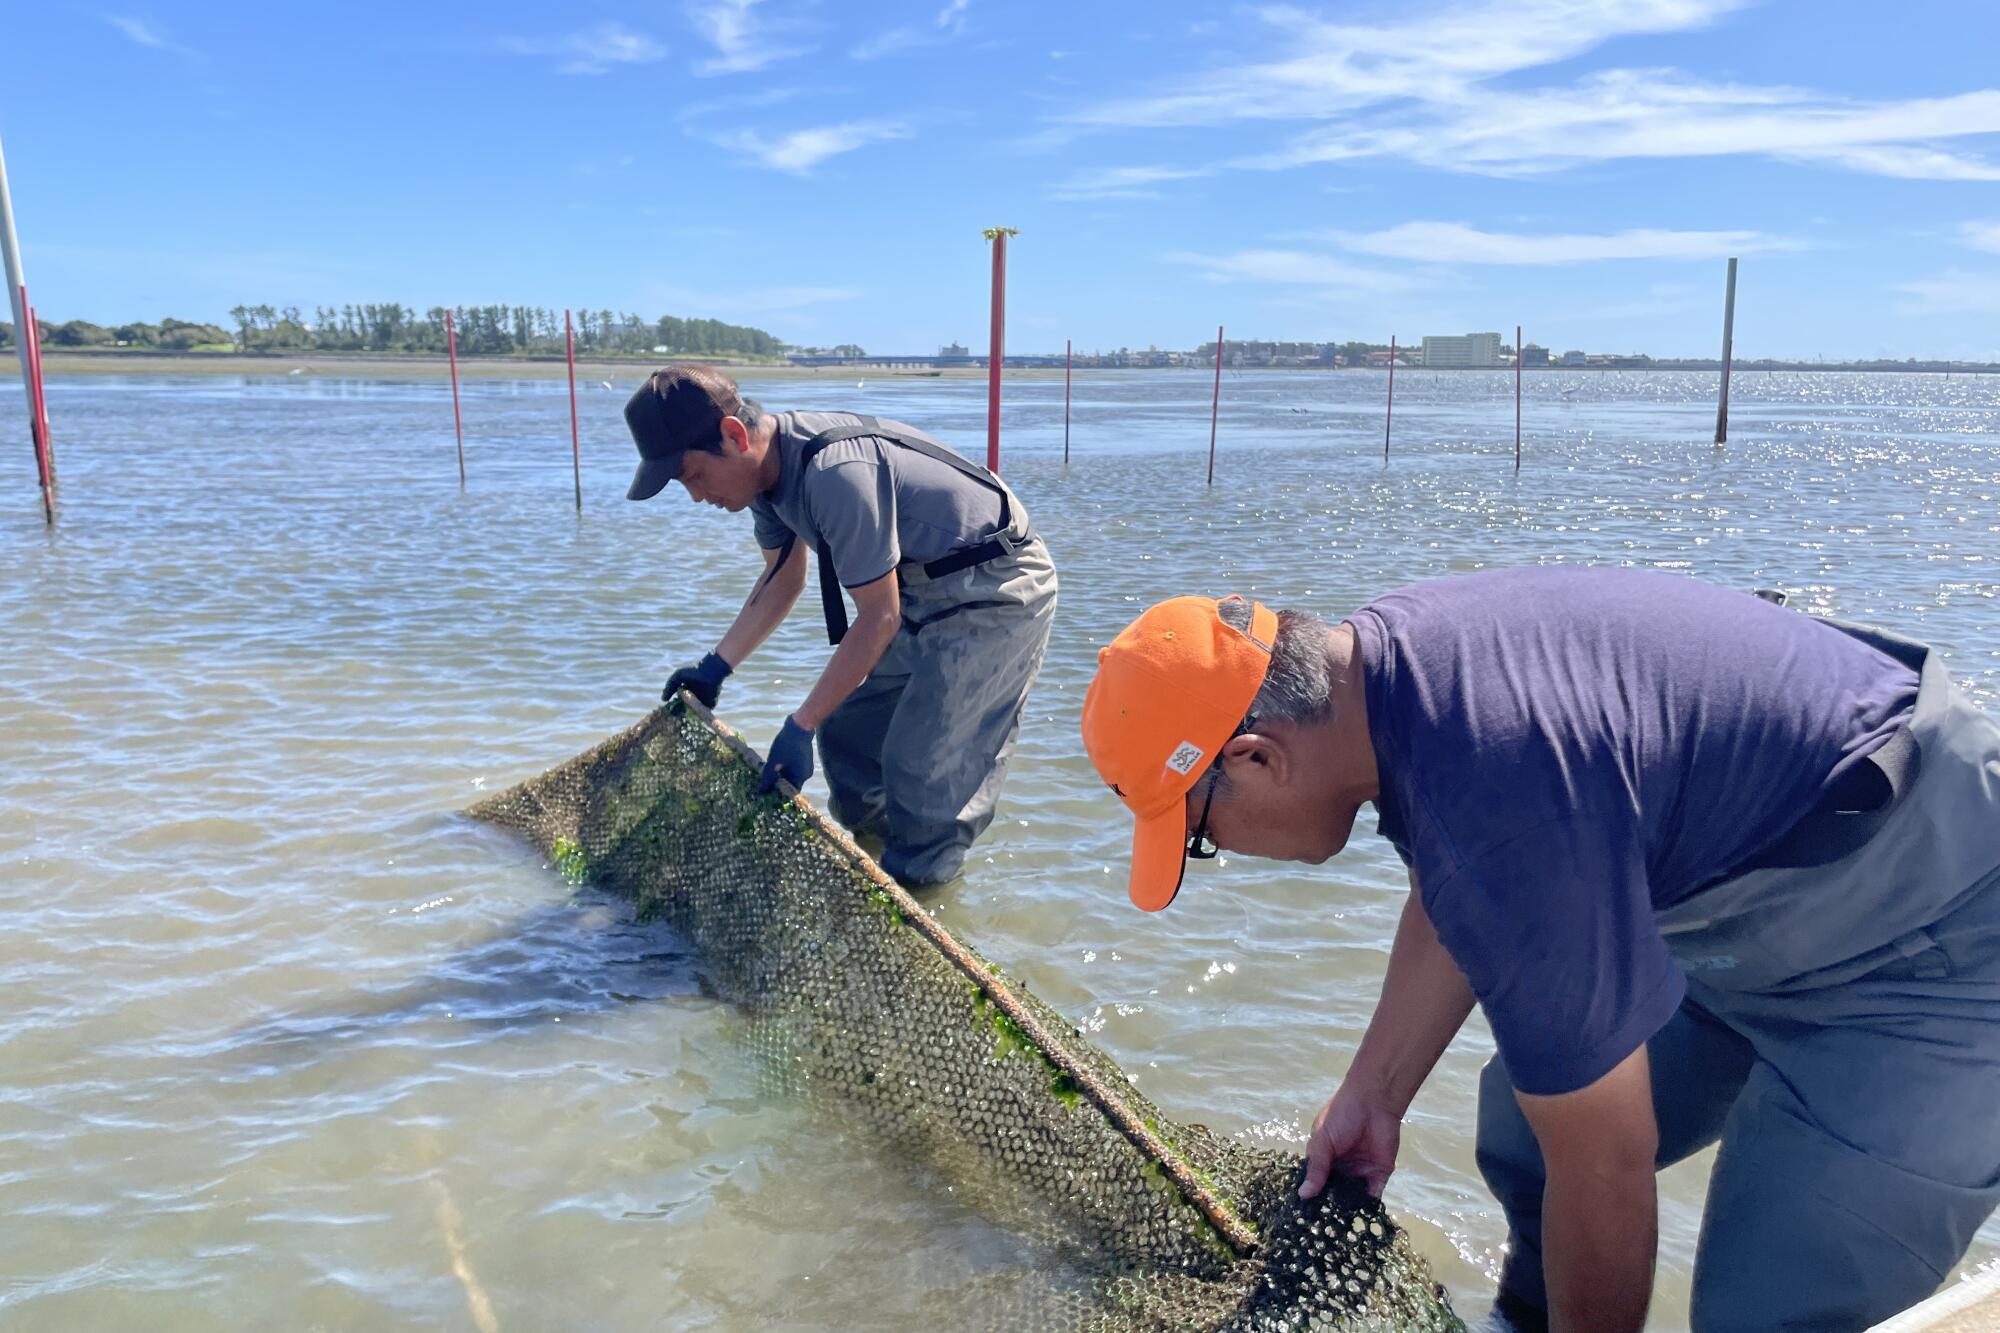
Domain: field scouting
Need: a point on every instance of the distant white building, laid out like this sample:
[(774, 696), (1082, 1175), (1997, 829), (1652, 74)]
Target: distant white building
[(1465, 350), (1575, 359)]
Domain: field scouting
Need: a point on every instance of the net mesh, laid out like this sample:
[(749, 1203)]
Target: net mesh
[(855, 998)]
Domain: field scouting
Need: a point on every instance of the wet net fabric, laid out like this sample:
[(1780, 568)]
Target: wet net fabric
[(855, 999)]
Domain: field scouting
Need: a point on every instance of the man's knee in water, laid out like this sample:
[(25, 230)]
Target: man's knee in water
[(864, 817), (924, 868)]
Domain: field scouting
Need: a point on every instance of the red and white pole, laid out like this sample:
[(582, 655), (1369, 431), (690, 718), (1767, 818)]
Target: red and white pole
[(1215, 405), (1389, 412), (41, 392), (27, 345), (28, 335), (1067, 345), (1517, 397), (996, 346), (575, 447), (457, 417)]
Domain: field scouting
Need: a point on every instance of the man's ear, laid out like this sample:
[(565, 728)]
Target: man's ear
[(1255, 758), (736, 434)]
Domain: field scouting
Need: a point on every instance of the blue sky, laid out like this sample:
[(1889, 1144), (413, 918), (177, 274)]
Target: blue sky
[(823, 170)]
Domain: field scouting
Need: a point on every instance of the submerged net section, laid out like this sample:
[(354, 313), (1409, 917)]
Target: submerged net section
[(858, 999)]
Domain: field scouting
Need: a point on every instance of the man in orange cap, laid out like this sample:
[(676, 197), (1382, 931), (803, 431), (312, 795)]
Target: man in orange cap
[(1713, 870)]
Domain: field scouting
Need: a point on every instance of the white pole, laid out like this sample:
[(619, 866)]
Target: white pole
[(10, 250)]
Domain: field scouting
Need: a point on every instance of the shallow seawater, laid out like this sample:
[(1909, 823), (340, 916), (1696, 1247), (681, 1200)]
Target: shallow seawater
[(288, 1040)]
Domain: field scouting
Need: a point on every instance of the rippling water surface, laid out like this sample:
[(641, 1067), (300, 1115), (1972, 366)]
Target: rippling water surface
[(288, 1043)]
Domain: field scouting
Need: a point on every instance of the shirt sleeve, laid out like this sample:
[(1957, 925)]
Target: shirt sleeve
[(854, 507), (1554, 929), (772, 532)]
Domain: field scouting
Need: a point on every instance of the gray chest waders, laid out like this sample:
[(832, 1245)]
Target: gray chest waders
[(1000, 543), (1840, 1040)]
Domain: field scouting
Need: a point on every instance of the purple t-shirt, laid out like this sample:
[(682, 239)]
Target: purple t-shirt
[(1565, 750)]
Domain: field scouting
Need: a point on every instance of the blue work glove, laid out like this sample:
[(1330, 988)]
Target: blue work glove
[(703, 680), (791, 757)]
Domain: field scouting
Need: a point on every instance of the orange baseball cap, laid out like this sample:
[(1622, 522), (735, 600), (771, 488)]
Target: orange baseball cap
[(1169, 692)]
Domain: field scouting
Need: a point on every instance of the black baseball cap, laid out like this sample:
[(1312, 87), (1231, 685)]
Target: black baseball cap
[(676, 409)]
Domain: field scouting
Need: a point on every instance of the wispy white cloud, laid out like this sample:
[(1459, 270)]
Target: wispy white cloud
[(768, 97), (1121, 182), (1294, 268), (801, 150), (890, 42), (743, 41), (592, 50), (1980, 235), (1910, 163), (1332, 67), (147, 34), (1446, 90), (948, 23), (1952, 293), (1647, 114), (1457, 243), (607, 166)]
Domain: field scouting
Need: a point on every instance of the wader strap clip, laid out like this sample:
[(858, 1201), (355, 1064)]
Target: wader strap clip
[(1855, 807)]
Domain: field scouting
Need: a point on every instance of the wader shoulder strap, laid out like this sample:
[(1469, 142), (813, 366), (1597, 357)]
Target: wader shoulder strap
[(784, 554), (998, 544)]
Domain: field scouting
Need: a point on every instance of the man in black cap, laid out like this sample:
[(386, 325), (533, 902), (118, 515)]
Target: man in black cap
[(917, 711)]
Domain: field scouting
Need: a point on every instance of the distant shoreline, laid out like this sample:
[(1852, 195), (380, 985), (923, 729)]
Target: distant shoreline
[(425, 366), (398, 365)]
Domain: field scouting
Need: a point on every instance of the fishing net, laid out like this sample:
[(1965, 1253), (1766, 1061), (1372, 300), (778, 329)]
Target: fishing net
[(856, 998)]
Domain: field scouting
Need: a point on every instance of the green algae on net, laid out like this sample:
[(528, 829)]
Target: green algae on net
[(857, 999), (569, 861)]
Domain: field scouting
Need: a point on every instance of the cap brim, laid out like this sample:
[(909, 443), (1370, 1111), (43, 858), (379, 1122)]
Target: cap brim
[(651, 478), (1159, 858)]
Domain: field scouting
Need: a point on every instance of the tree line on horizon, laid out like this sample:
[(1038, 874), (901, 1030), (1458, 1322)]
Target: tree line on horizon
[(170, 334), (489, 330)]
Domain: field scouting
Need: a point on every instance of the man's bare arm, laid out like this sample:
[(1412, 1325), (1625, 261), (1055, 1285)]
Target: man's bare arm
[(769, 602), (1600, 1214), (1425, 1000), (878, 616)]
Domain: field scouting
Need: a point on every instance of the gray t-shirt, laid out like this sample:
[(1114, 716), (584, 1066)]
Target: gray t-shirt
[(875, 503)]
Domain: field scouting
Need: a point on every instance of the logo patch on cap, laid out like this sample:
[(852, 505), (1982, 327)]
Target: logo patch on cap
[(1185, 756)]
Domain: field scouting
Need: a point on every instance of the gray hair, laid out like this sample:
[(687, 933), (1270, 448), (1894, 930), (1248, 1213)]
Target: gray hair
[(1298, 688)]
